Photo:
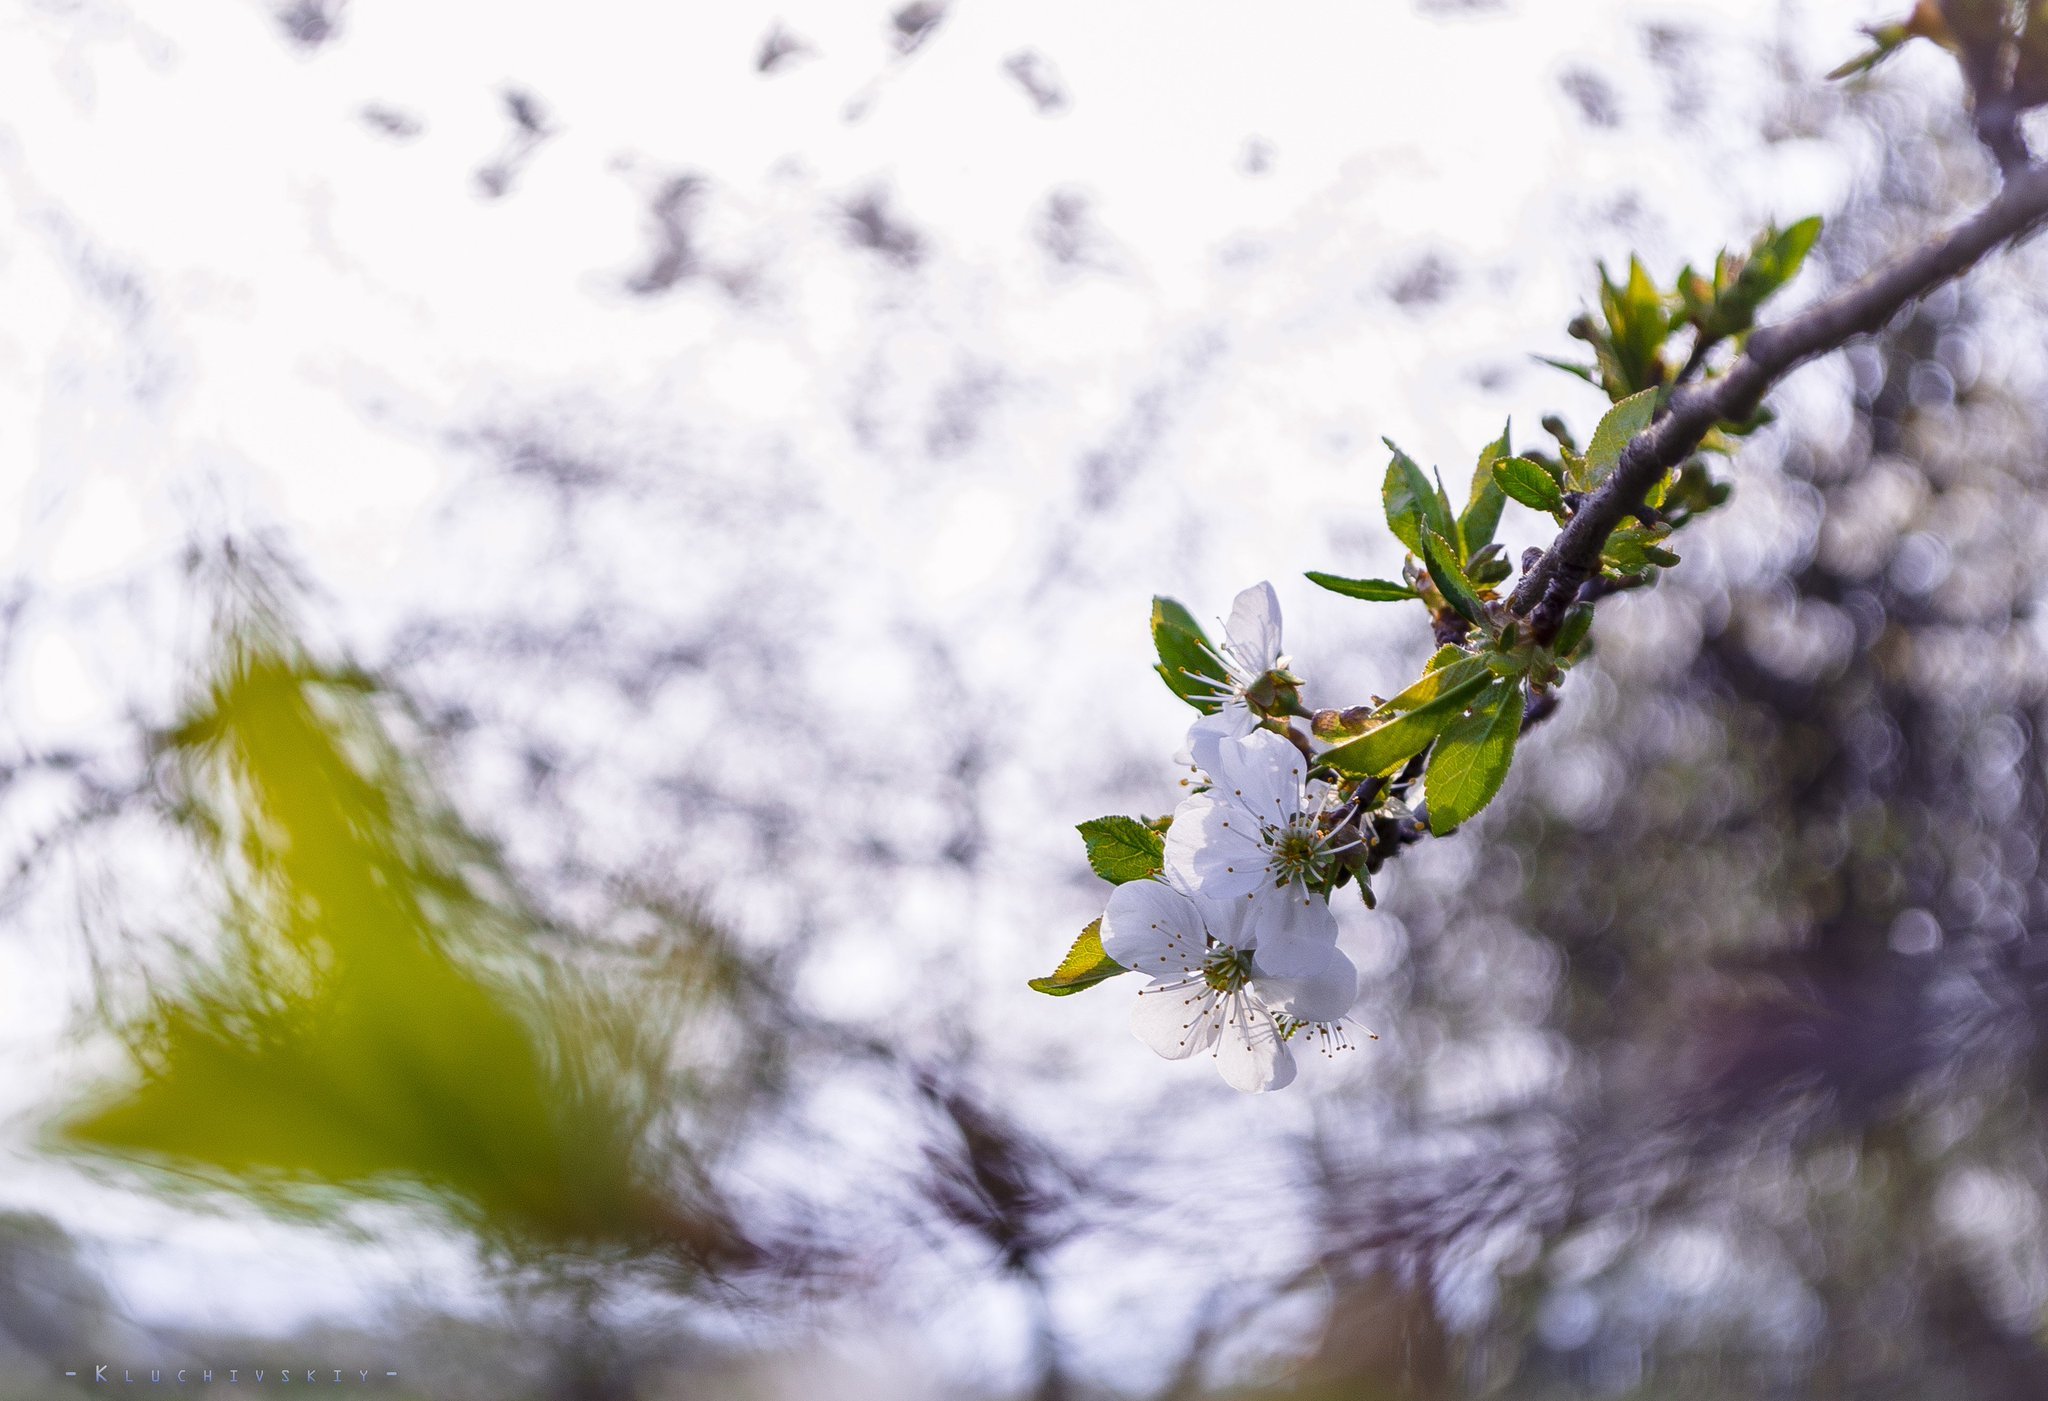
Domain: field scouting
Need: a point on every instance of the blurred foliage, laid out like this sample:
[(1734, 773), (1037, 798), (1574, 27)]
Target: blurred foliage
[(383, 1011)]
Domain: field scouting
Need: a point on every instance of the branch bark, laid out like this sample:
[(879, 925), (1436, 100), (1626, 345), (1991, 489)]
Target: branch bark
[(1548, 587)]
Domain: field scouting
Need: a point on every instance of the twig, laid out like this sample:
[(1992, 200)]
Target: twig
[(1547, 589)]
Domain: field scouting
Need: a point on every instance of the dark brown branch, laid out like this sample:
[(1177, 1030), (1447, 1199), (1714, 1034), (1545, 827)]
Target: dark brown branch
[(1547, 589)]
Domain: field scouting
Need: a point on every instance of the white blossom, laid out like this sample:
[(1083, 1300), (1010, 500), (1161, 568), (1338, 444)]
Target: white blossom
[(1257, 832), (1211, 990), (1250, 650)]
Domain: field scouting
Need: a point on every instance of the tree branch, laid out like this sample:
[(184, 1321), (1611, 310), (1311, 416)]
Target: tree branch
[(1548, 588)]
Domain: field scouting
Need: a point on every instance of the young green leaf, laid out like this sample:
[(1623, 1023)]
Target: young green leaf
[(1371, 590), (1449, 530), (1529, 484), (1084, 966), (1187, 662), (1472, 757), (1634, 548), (1791, 246), (1122, 848), (1590, 374), (1577, 623), (1621, 423), (1387, 746), (1411, 502), (1483, 508), (1441, 557)]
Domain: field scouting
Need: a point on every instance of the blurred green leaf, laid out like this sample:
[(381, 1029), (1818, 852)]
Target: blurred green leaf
[(1122, 848), (375, 1010)]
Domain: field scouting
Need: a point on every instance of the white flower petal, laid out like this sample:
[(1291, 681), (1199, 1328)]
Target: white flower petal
[(1262, 773), (1153, 928), (1213, 847), (1229, 921), (1323, 997), (1253, 630), (1175, 1022), (1295, 934), (1250, 1054), (1233, 721)]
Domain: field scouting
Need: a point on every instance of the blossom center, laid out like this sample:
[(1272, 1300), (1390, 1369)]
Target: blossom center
[(1296, 851), (1227, 969)]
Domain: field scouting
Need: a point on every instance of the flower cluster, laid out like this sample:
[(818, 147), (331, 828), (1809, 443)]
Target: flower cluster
[(1225, 905), (1235, 930)]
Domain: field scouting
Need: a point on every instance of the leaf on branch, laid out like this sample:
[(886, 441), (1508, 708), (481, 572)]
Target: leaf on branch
[(1578, 621), (1187, 662), (1529, 484), (1442, 558), (1371, 590), (1773, 262), (1392, 744), (1084, 966), (1472, 756), (1633, 549), (1122, 849), (1483, 508), (1588, 373), (1621, 423), (1411, 502)]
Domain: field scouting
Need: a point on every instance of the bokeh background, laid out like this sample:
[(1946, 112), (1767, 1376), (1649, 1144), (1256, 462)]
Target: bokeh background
[(570, 571)]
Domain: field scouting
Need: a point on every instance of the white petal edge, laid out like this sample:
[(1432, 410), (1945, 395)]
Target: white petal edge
[(1171, 1020), (1253, 628), (1323, 997), (1153, 928), (1262, 773), (1250, 1054), (1294, 933)]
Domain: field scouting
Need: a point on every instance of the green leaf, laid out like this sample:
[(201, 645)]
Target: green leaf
[(1472, 757), (1774, 261), (1411, 502), (1588, 373), (1441, 557), (1483, 508), (1392, 744), (1449, 529), (1084, 966), (1577, 623), (1489, 569), (1621, 423), (1371, 590), (1186, 660), (1792, 246), (1634, 548), (1529, 484), (1122, 848)]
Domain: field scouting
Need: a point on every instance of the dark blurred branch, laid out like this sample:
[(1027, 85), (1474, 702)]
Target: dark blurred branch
[(1550, 586)]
